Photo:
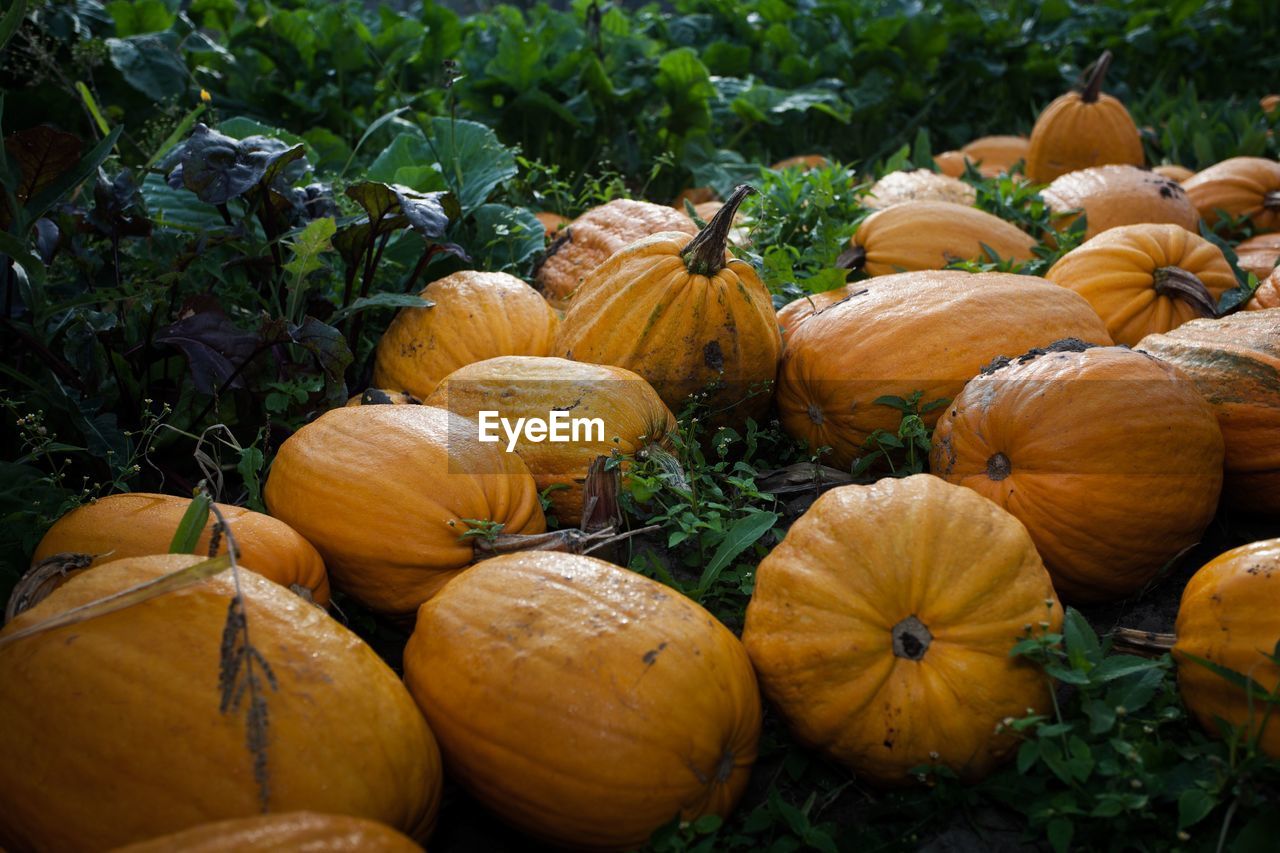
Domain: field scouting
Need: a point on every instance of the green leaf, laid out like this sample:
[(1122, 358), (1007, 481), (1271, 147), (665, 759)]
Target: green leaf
[(1118, 666), (1083, 649), (150, 63), (1133, 692), (191, 527), (1259, 835), (307, 245), (381, 300), (65, 182), (17, 250), (177, 208), (135, 17), (504, 238), (11, 21), (740, 536), (472, 160), (1028, 754), (1059, 831), (1194, 805)]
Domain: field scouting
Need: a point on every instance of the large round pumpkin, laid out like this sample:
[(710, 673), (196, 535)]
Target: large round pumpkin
[(385, 493), (918, 185), (929, 235), (632, 416), (1146, 278), (594, 236), (797, 311), (137, 524), (582, 702), (306, 832), (1240, 186), (881, 627), (1111, 458), (1083, 129), (1259, 255), (1267, 295), (1228, 617), (924, 331), (112, 729), (1235, 362), (1111, 196), (684, 314), (476, 315)]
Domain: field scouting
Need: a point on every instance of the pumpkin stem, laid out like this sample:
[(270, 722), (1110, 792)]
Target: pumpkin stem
[(999, 467), (911, 639), (1175, 282), (704, 254), (43, 578), (852, 258), (569, 540), (1148, 643), (1271, 201), (600, 508), (1093, 79)]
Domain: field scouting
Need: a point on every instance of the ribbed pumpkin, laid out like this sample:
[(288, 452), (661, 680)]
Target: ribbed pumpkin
[(596, 235), (582, 702), (137, 524), (1235, 362), (996, 155), (1146, 278), (1111, 458), (1083, 129), (1267, 295), (884, 604), (384, 493), (477, 315), (1173, 172), (1228, 616), (383, 397), (1259, 255), (918, 185), (111, 730), (928, 235), (1241, 186), (684, 314), (632, 414), (270, 833), (925, 331), (1111, 196)]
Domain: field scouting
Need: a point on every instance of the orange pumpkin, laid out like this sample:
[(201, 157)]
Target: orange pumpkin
[(684, 314), (929, 235), (270, 833), (1269, 103), (1259, 255), (996, 155), (1267, 295), (1235, 362), (386, 493), (1111, 196), (1241, 186), (1228, 617), (137, 524), (1173, 172), (1146, 278), (476, 315), (923, 331), (803, 162), (880, 604), (111, 730), (695, 196), (552, 223), (797, 311), (918, 185), (950, 163), (1083, 129), (383, 397), (1111, 458), (584, 703)]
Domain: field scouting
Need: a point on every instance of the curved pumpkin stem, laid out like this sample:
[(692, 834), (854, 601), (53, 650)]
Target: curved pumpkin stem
[(1093, 80), (852, 258), (569, 540), (1175, 282), (1271, 201), (1148, 643), (704, 254)]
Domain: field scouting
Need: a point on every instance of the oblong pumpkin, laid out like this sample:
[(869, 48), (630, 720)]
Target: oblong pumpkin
[(1259, 255), (1267, 295), (929, 235), (383, 492), (918, 185), (1173, 172), (1111, 458), (383, 397), (138, 524), (111, 730), (1111, 196), (269, 833), (996, 155), (950, 163), (925, 331), (803, 162), (477, 315), (1240, 186), (882, 605), (797, 311), (1143, 279), (582, 702), (1228, 616), (1235, 362)]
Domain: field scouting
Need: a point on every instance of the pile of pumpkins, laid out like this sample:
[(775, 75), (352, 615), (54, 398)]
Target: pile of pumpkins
[(1095, 419)]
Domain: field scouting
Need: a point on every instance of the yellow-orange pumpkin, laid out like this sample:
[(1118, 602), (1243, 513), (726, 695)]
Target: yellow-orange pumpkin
[(306, 832), (1259, 255), (1267, 295), (1173, 172), (552, 223), (383, 397), (797, 311), (929, 235), (1111, 196), (996, 155), (950, 163), (918, 185), (1240, 186), (803, 162)]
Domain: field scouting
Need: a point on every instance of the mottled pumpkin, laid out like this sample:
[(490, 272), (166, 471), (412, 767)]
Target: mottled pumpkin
[(1235, 362), (632, 415), (882, 605), (1111, 196), (552, 223), (1228, 617), (138, 524), (1267, 295), (996, 155), (918, 185), (476, 315), (383, 397), (923, 331), (584, 703), (1110, 457), (1146, 278), (111, 730), (596, 235), (929, 235), (1259, 255), (1173, 172), (803, 162), (1240, 186), (385, 492), (1083, 129), (685, 315), (304, 832)]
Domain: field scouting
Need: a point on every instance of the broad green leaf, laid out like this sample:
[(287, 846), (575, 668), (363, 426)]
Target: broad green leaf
[(381, 300), (150, 63), (739, 537), (1194, 805)]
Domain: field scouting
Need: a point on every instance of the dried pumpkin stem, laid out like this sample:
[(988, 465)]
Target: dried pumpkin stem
[(852, 258), (911, 639), (704, 254), (1177, 283), (1271, 200), (570, 540), (1093, 81), (43, 578), (1151, 643)]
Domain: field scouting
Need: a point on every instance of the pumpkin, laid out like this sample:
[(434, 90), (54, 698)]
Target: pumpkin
[(552, 223), (303, 831), (1227, 616), (1173, 172), (1111, 458), (929, 235), (1083, 129), (923, 331), (695, 196), (1267, 295), (803, 162), (1240, 186), (383, 397), (882, 605), (475, 315), (1259, 255), (684, 314), (594, 236), (631, 413), (1269, 103), (996, 155), (584, 703), (1111, 196), (1146, 278), (950, 163), (797, 311), (136, 524), (385, 493), (918, 185), (111, 730), (1235, 362)]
